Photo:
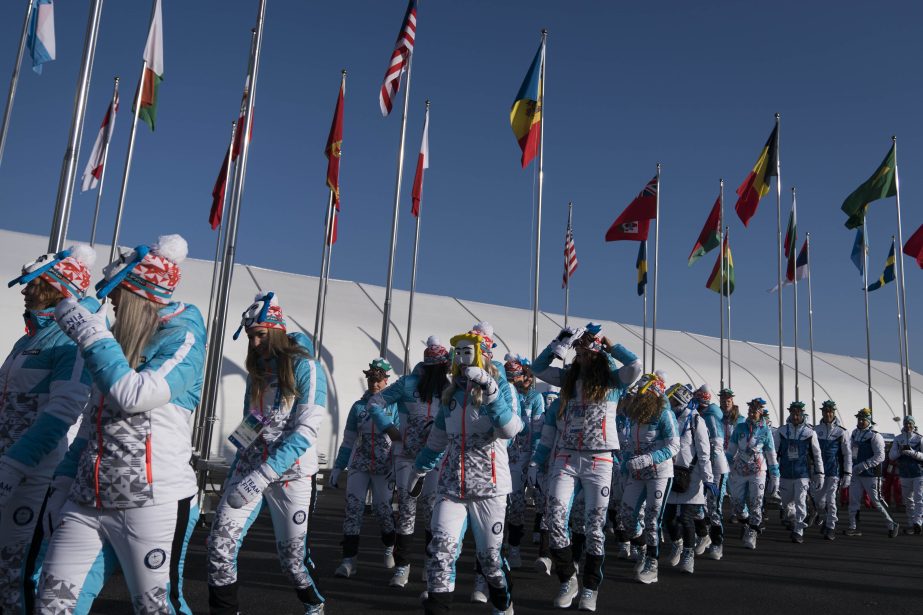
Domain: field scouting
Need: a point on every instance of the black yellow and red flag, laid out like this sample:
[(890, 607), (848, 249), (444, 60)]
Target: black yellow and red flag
[(756, 185)]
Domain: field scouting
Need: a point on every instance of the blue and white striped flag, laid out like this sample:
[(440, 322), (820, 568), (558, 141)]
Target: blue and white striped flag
[(41, 34)]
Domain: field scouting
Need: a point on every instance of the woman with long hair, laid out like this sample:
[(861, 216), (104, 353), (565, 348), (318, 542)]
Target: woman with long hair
[(417, 398), (468, 442), (276, 461), (753, 456), (132, 486), (366, 451), (580, 429), (45, 389), (647, 467)]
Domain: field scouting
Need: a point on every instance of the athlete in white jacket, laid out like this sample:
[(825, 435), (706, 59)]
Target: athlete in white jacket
[(833, 440), (276, 459), (800, 467), (907, 450), (132, 485)]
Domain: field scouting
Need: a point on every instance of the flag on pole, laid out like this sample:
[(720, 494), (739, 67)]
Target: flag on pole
[(879, 186), (634, 223), (570, 256), (422, 164), (334, 149), (914, 246), (526, 114), (214, 215), (756, 184), (153, 70), (710, 237), (722, 283), (94, 168), (641, 266), (801, 264), (857, 256), (400, 57), (888, 274), (789, 247), (40, 39)]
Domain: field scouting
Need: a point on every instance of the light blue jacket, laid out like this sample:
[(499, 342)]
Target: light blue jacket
[(44, 391)]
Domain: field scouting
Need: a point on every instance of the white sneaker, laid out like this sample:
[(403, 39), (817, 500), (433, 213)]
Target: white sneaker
[(714, 552), (347, 568), (315, 609), (514, 558), (749, 538), (676, 552), (567, 593), (622, 550), (701, 544), (389, 557), (588, 599), (648, 574), (424, 595), (687, 563), (543, 565), (480, 589), (400, 577)]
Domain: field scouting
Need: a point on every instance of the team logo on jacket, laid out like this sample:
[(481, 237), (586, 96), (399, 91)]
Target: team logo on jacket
[(31, 352), (497, 529), (299, 517), (155, 558), (605, 492), (22, 515), (658, 494)]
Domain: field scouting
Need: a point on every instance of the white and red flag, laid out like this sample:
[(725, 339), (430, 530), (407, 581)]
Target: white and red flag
[(94, 169), (400, 59), (422, 165)]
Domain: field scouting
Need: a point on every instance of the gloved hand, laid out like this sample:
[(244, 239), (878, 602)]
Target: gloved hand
[(818, 482), (772, 485), (640, 462), (79, 324), (565, 339), (484, 380), (10, 479), (712, 488), (858, 467), (532, 476), (252, 486), (376, 400), (57, 497), (334, 480), (415, 483), (845, 481)]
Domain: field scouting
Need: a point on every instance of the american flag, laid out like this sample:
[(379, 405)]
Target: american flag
[(570, 256), (400, 57)]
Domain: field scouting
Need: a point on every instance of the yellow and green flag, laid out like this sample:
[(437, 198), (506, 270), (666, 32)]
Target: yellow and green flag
[(880, 185), (717, 281)]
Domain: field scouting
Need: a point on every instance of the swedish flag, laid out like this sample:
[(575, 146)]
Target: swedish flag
[(641, 264), (888, 275)]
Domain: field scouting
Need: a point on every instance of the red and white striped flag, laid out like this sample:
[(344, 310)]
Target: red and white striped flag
[(570, 256), (400, 57), (422, 164), (94, 169)]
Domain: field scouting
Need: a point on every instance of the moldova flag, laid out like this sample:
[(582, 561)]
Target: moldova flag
[(715, 279), (756, 185), (526, 114)]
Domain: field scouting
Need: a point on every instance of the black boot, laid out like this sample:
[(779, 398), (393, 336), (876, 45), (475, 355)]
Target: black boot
[(437, 603), (222, 599)]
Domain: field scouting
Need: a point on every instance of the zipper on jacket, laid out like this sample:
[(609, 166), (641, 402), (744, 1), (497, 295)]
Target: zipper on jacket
[(464, 419), (99, 450), (147, 459), (493, 464)]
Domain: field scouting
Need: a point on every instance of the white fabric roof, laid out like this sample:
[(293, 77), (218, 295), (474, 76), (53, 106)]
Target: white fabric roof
[(354, 313)]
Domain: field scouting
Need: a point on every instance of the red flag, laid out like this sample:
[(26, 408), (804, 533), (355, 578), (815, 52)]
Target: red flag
[(217, 210), (334, 148), (914, 246), (634, 223), (422, 164)]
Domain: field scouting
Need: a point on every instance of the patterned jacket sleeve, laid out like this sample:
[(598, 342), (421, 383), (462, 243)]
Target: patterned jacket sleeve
[(769, 452), (305, 419), (349, 439), (173, 370), (669, 433), (541, 367)]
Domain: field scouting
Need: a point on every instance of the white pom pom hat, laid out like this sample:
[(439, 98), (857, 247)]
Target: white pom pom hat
[(151, 272), (67, 271)]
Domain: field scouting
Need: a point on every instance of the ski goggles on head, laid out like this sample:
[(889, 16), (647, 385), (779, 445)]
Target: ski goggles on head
[(651, 382), (39, 266), (589, 341), (680, 394), (104, 287)]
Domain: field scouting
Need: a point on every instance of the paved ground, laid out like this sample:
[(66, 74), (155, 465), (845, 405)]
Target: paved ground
[(867, 575)]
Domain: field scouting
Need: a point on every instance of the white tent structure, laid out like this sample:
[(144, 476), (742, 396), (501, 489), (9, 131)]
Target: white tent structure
[(354, 321)]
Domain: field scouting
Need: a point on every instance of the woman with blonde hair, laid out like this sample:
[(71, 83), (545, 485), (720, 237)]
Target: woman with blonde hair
[(131, 484), (276, 459), (580, 427)]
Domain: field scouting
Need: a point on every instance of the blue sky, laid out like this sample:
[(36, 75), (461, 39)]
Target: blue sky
[(691, 85)]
